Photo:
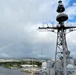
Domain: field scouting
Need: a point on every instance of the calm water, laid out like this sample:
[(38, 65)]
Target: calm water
[(5, 71)]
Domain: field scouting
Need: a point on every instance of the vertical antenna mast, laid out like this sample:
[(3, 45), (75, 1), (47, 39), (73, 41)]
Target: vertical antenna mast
[(62, 53), (61, 39)]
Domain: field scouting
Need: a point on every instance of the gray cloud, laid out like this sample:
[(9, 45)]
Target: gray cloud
[(19, 22)]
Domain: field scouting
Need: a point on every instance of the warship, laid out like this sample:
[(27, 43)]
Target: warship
[(63, 64)]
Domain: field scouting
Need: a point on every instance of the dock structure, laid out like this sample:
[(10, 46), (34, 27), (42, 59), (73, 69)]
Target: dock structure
[(64, 64)]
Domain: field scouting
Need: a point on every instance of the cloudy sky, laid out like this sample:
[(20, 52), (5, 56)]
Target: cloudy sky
[(19, 22)]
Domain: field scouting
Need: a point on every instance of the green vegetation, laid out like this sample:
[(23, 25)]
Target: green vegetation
[(10, 64), (17, 64)]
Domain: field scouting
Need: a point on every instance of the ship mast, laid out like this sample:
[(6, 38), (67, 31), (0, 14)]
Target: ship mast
[(62, 53)]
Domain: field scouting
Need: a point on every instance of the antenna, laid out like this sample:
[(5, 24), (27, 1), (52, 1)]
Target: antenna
[(62, 53)]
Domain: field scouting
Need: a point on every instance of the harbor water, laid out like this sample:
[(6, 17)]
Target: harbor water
[(5, 71)]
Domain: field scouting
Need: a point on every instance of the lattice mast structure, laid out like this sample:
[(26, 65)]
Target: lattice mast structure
[(62, 53)]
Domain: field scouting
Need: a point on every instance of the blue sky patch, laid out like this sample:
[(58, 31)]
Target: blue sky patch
[(71, 2)]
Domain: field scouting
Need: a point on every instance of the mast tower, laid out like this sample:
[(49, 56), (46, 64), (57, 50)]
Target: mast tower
[(62, 53)]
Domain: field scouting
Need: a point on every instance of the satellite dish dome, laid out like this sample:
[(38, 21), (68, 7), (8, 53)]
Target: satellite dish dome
[(62, 17), (44, 65), (70, 68), (71, 61)]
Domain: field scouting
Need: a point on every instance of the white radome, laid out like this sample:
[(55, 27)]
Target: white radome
[(71, 61), (44, 65), (70, 67)]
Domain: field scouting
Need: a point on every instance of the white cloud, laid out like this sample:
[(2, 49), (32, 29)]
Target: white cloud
[(71, 11)]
